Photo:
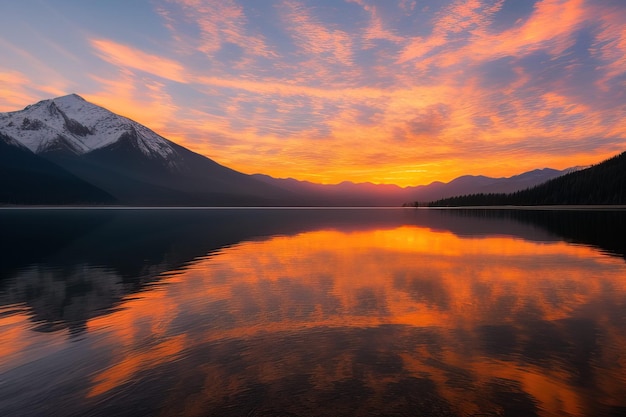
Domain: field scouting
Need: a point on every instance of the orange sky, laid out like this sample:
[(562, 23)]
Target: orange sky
[(403, 92)]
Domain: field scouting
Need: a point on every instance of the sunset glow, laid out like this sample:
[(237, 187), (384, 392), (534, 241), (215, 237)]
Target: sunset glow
[(405, 92)]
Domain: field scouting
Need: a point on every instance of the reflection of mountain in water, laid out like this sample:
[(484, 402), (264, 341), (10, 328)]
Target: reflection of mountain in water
[(72, 265)]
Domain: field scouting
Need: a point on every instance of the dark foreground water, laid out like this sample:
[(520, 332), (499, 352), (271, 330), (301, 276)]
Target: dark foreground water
[(312, 313)]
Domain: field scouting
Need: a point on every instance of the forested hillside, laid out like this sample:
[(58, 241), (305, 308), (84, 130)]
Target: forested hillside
[(604, 183)]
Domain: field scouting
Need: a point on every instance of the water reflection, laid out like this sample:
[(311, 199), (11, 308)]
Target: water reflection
[(394, 312)]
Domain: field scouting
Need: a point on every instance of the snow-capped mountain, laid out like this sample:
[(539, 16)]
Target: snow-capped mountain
[(72, 124), (123, 158)]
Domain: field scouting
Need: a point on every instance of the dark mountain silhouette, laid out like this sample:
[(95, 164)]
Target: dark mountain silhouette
[(604, 183), (343, 194), (26, 178)]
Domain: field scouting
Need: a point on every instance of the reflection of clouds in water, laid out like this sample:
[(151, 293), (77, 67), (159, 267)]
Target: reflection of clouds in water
[(423, 286), (401, 320), (316, 330)]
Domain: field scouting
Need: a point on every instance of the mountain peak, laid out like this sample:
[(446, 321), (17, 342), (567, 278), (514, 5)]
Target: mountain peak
[(79, 126), (69, 97)]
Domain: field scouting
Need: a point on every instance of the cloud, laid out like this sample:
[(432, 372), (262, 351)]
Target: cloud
[(454, 26), (430, 121), (129, 57), (286, 89), (315, 39), (610, 46), (378, 29), (13, 90), (217, 24)]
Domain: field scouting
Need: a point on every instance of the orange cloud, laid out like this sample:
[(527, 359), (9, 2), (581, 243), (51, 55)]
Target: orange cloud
[(539, 30), (129, 57), (466, 16), (13, 90)]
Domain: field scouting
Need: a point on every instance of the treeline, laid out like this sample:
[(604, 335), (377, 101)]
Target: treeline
[(604, 183)]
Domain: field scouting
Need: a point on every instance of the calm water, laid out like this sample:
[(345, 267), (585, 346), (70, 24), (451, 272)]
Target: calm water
[(312, 312)]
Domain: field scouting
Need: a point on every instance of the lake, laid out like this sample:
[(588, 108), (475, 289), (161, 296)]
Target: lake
[(312, 312)]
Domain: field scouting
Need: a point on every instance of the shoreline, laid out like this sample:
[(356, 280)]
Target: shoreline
[(594, 207), (563, 207)]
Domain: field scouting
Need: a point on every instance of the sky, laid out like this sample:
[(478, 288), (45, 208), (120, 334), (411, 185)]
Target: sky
[(404, 92)]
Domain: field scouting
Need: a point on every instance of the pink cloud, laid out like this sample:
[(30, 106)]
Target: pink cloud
[(376, 28)]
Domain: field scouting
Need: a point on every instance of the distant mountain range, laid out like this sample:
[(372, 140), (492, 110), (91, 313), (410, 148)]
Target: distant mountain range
[(368, 194), (69, 151)]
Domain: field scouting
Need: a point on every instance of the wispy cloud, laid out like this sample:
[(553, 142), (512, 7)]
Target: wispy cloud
[(314, 39), (13, 90), (216, 24), (129, 57)]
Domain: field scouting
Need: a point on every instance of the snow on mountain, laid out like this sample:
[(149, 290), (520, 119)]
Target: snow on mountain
[(74, 125)]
